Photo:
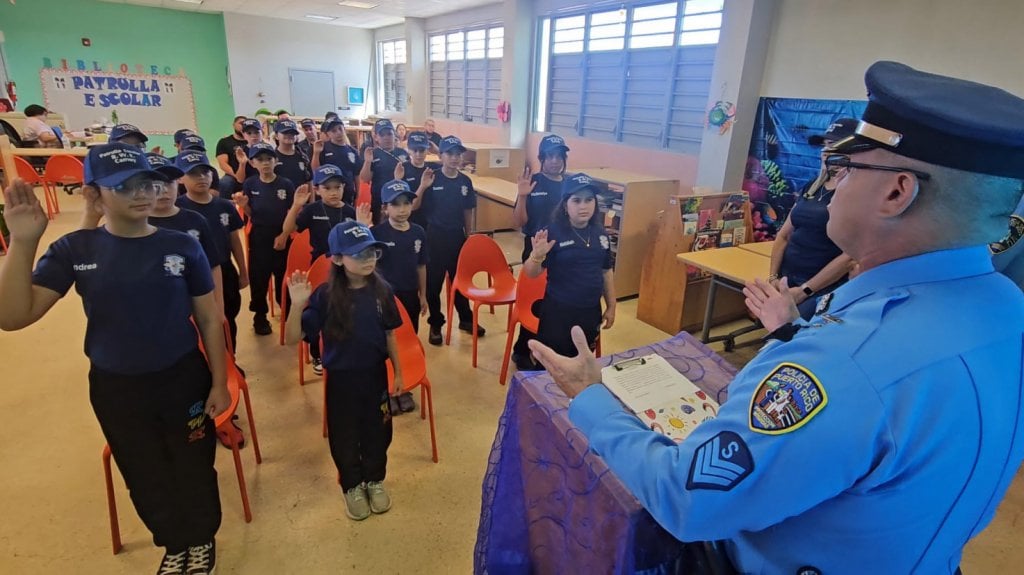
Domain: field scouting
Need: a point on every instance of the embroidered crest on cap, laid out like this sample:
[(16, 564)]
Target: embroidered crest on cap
[(1016, 231), (786, 400), (720, 463)]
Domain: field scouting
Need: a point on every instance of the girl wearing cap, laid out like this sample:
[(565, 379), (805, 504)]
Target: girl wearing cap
[(333, 148), (358, 411), (153, 392), (576, 252), (380, 161), (292, 163)]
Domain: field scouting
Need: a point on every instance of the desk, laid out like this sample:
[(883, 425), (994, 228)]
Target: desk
[(552, 506), (763, 248), (8, 152), (730, 268), (496, 200)]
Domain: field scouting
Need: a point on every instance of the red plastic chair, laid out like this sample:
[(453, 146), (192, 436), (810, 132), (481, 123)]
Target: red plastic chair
[(3, 245), (481, 254), (528, 292), (363, 196), (299, 258), (28, 173), (62, 170), (319, 272)]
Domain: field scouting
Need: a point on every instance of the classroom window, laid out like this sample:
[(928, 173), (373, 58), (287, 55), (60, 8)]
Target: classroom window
[(391, 74), (465, 73), (639, 75)]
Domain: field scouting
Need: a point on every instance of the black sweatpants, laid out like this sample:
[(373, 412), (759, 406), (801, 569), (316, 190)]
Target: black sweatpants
[(444, 246), (164, 445), (264, 262), (411, 302), (556, 321), (232, 299), (521, 346), (359, 423)]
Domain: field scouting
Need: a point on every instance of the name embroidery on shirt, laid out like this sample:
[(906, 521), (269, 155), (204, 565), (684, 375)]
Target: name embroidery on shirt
[(786, 400), (85, 267), (566, 243), (174, 265)]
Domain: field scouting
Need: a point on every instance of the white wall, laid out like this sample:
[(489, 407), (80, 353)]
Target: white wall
[(260, 51), (820, 48), (463, 18)]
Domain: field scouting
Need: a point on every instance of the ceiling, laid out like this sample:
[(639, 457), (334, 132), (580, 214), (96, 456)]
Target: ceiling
[(387, 13)]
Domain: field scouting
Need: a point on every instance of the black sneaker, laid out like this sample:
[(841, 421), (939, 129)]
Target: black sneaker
[(262, 326), (435, 335), (406, 403), (173, 563), (467, 326), (202, 559), (395, 409)]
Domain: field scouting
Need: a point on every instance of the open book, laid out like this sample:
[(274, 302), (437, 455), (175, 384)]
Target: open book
[(664, 399)]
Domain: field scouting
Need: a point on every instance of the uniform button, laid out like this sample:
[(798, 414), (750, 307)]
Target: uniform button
[(808, 570)]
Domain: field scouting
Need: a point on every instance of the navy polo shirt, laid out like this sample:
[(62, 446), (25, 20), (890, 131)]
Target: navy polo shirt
[(269, 202), (137, 294), (406, 251), (809, 248), (295, 167), (194, 225), (541, 203), (414, 175), (348, 160), (383, 168), (447, 200), (222, 217), (575, 269), (368, 345), (320, 219)]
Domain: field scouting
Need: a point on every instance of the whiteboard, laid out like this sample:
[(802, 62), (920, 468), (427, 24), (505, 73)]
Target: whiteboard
[(156, 104)]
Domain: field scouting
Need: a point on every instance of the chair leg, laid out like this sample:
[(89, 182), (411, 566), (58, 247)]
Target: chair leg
[(49, 204), (325, 410), (252, 423), (241, 479), (115, 531), (270, 296), (53, 195), (430, 411), (597, 346), (508, 353), (280, 337), (3, 244), (451, 305), (423, 407), (476, 322), (490, 283), (302, 362)]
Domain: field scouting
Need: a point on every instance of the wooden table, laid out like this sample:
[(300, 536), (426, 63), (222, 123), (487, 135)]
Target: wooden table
[(8, 152), (497, 198), (763, 248), (730, 268)]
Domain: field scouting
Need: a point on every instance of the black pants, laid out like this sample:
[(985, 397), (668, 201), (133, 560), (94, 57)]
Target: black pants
[(521, 346), (557, 319), (376, 207), (232, 300), (164, 445), (359, 423), (411, 302), (264, 262), (444, 246)]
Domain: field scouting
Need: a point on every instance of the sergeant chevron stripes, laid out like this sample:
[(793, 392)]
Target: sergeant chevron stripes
[(720, 463)]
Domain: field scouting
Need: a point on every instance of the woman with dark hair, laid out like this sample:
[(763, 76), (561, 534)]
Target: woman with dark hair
[(38, 134)]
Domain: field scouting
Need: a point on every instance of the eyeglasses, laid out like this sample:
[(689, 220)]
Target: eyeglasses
[(368, 254), (841, 161), (146, 187)]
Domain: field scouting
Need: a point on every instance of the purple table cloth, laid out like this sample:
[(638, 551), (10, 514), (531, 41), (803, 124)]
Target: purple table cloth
[(552, 506)]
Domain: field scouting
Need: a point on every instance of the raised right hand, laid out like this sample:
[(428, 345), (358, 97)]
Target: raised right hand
[(241, 200), (25, 217), (541, 245), (368, 155), (299, 287), (400, 171), (428, 178), (302, 194), (525, 183)]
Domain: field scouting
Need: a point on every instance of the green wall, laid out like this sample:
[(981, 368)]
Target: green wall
[(121, 33)]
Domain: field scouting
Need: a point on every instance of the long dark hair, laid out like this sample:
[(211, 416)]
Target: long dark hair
[(560, 152), (338, 326), (561, 213)]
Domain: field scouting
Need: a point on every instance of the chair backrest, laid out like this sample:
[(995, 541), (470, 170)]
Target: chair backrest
[(64, 169), (234, 389), (529, 290), (320, 271), (410, 352), (26, 171), (299, 256), (482, 254)]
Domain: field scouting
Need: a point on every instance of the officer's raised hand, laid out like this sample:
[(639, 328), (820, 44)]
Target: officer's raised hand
[(541, 245), (572, 374), (240, 155), (774, 306), (318, 144), (26, 220)]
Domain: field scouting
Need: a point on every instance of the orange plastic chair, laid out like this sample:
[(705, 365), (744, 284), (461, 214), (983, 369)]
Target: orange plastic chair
[(528, 292), (299, 258), (3, 245), (363, 196), (481, 254), (62, 170), (28, 173), (319, 273)]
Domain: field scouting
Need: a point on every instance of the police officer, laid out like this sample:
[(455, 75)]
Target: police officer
[(380, 161), (854, 447)]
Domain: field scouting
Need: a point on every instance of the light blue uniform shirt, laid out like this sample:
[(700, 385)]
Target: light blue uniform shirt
[(879, 440), (1008, 254)]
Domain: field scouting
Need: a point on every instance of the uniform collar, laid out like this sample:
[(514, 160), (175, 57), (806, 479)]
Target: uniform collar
[(929, 267)]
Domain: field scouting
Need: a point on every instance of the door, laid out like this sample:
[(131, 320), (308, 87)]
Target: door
[(312, 92)]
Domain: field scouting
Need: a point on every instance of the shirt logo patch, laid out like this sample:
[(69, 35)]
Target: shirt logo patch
[(417, 246), (604, 242), (194, 234), (1016, 231), (282, 194), (823, 303), (302, 166), (351, 157), (720, 463), (786, 400), (225, 220), (174, 265), (465, 190)]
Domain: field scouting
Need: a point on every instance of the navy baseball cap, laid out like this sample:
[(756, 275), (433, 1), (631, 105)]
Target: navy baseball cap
[(839, 129), (383, 125), (552, 143), (328, 172), (193, 142), (164, 166), (308, 123), (577, 183), (417, 141), (251, 124), (261, 148), (109, 165), (393, 189), (451, 143), (940, 120), (124, 130), (283, 126), (191, 159), (349, 238), (180, 135), (330, 123)]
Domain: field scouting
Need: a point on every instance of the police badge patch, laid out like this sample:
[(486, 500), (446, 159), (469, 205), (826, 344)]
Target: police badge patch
[(225, 220), (786, 400), (282, 194), (823, 303), (174, 265), (1016, 231)]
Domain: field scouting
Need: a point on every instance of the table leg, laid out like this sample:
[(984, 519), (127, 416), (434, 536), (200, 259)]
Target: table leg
[(709, 309)]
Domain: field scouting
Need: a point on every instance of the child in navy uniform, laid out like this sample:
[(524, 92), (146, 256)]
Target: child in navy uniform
[(198, 181), (356, 313), (412, 170), (292, 163), (380, 161), (333, 148), (154, 394), (309, 131), (576, 252), (448, 200), (266, 199), (252, 133)]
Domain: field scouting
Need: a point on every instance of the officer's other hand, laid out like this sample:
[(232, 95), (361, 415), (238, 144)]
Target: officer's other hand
[(774, 306), (572, 374)]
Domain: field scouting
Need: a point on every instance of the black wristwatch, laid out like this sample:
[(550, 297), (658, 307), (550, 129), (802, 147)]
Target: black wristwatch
[(807, 290)]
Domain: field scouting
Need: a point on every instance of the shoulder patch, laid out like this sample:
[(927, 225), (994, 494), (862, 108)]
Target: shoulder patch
[(786, 400), (1015, 233), (720, 463)]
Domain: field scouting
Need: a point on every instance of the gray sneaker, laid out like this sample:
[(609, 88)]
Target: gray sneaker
[(356, 505), (380, 501)]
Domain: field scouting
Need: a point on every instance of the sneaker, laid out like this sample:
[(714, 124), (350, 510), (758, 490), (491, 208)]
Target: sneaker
[(202, 559), (318, 367), (467, 326), (435, 335), (356, 506), (173, 563), (380, 501), (406, 403), (396, 405), (262, 326)]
